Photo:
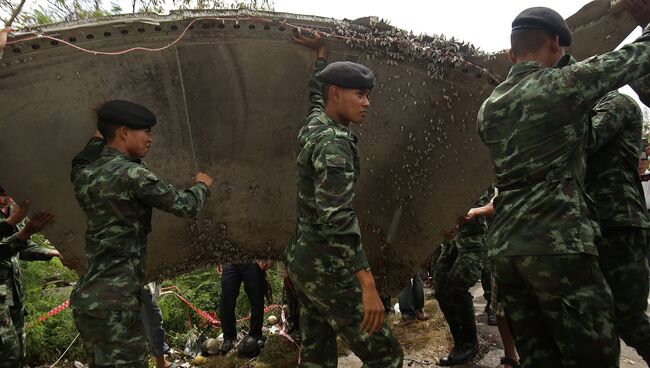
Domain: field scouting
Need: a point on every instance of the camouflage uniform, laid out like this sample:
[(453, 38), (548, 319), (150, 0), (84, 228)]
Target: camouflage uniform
[(612, 181), (642, 88), (117, 194), (12, 312), (541, 238), (458, 269), (326, 250)]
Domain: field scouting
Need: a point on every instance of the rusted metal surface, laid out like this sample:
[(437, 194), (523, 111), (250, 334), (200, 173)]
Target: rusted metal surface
[(231, 97)]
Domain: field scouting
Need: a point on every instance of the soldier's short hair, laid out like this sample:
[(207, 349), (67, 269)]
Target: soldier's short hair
[(106, 129), (325, 91), (528, 41)]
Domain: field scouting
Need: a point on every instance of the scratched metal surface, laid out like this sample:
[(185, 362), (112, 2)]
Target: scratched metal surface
[(231, 97)]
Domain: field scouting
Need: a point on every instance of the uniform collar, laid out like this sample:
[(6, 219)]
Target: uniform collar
[(524, 68), (565, 61), (325, 119), (112, 152)]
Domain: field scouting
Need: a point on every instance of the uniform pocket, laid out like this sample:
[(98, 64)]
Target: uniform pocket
[(588, 328)]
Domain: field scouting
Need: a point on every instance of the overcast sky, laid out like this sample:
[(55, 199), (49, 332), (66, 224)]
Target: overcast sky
[(484, 23)]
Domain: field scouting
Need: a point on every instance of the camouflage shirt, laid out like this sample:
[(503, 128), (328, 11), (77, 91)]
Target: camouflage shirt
[(327, 235), (117, 195), (12, 250), (535, 125), (642, 88), (614, 149)]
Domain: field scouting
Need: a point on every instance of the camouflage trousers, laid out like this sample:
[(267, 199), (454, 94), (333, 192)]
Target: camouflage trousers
[(112, 338), (623, 260), (455, 273), (330, 305), (12, 336), (560, 310)]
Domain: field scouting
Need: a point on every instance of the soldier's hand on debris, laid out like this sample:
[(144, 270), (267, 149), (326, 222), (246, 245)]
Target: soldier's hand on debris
[(35, 224), (314, 42), (3, 36), (18, 212), (640, 11), (203, 178)]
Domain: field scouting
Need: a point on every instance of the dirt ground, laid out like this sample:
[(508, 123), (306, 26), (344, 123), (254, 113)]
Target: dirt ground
[(424, 342), (427, 353)]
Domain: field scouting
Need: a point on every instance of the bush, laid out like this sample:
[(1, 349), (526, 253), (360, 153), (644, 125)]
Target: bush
[(203, 289), (46, 341)]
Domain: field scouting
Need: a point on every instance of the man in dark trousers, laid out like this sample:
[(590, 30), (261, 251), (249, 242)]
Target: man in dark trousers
[(232, 276)]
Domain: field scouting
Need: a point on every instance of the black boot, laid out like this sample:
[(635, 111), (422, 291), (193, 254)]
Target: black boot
[(465, 344)]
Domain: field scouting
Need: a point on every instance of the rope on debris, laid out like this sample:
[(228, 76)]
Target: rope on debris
[(236, 19)]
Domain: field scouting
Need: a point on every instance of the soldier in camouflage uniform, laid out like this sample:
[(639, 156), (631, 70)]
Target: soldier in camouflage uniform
[(541, 239), (640, 10), (458, 269), (16, 245), (325, 260), (612, 181), (117, 192)]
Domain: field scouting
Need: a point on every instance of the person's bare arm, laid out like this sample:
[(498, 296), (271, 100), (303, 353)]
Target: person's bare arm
[(373, 308), (314, 42), (484, 211), (3, 36)]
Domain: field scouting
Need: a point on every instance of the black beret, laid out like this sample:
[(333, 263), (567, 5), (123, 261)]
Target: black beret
[(126, 113), (546, 19), (347, 74)]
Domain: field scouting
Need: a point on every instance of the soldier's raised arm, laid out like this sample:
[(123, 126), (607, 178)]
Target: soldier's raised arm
[(583, 83), (89, 154), (316, 99)]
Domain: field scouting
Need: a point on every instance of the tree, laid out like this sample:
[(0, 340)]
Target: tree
[(9, 11)]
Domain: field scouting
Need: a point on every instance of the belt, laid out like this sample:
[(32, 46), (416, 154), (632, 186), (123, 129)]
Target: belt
[(524, 182)]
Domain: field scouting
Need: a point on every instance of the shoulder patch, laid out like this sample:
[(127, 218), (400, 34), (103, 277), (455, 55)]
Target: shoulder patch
[(334, 160)]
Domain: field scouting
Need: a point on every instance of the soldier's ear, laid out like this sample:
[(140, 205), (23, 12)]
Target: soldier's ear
[(122, 132), (334, 92)]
